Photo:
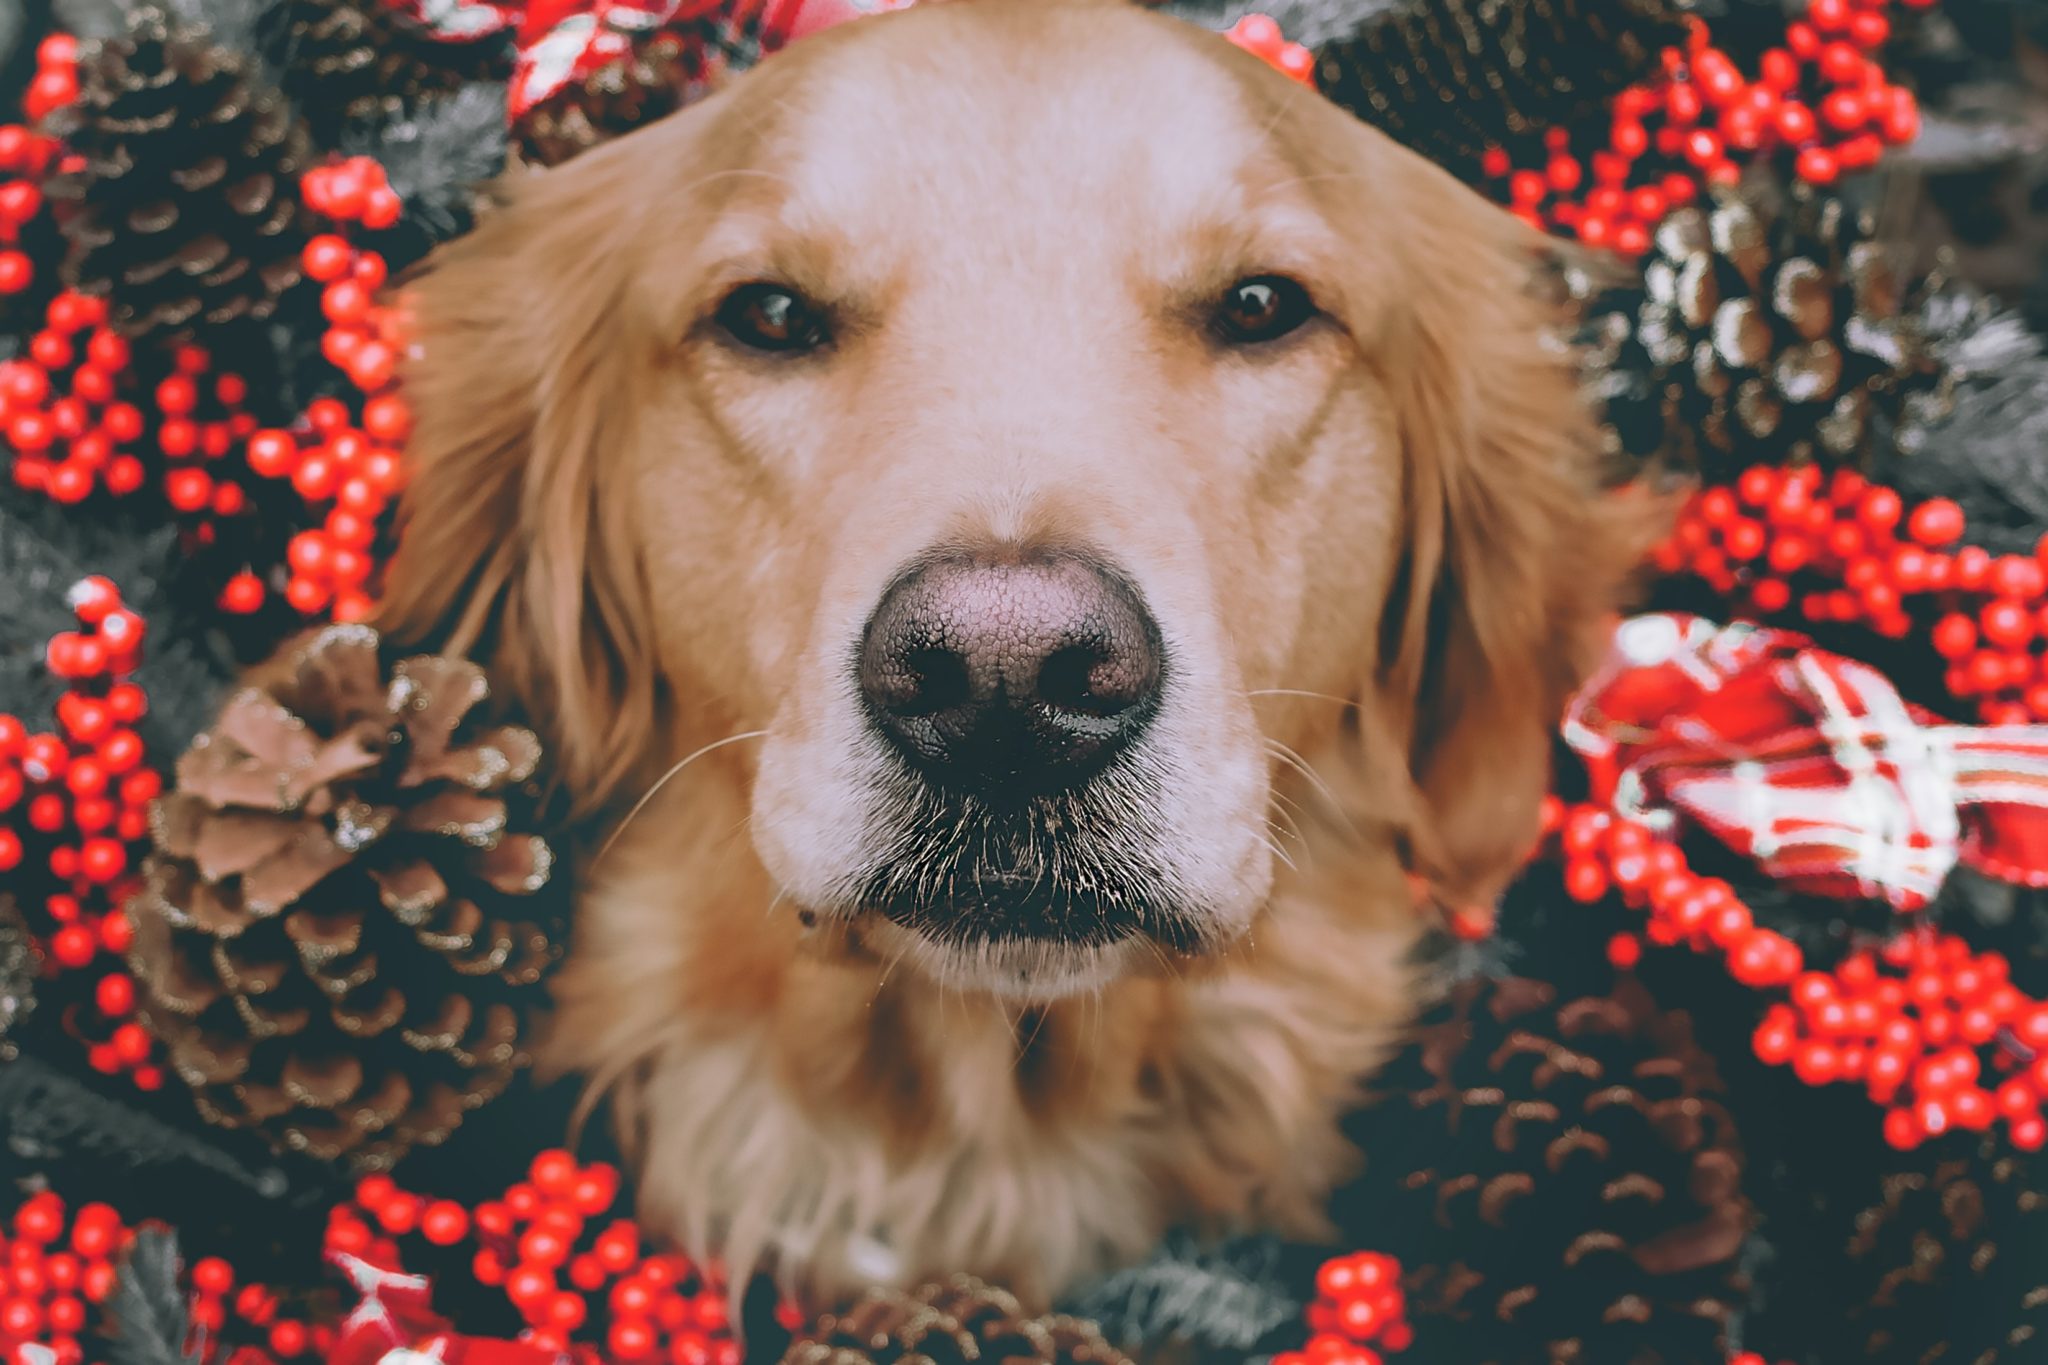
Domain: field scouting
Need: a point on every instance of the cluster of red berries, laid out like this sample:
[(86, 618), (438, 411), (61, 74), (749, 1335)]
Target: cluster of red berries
[(26, 157), (66, 406), (335, 458), (1359, 1313), (1604, 852), (60, 1269), (1821, 99), (82, 793), (68, 409), (578, 1273), (55, 83), (354, 469), (1260, 35), (200, 421), (1927, 1027), (1920, 1023), (1849, 551)]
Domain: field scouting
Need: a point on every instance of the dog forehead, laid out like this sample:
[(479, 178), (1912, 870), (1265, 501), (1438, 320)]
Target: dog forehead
[(1011, 116)]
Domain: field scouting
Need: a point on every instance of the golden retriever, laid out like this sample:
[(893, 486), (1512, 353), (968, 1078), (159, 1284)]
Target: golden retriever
[(1028, 532)]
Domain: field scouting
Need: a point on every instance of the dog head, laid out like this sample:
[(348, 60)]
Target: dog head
[(1039, 422)]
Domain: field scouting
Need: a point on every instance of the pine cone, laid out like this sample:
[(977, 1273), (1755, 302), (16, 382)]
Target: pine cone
[(351, 64), (1955, 1262), (1450, 78), (20, 961), (663, 72), (1564, 1178), (949, 1323), (1763, 335), (185, 213), (340, 921)]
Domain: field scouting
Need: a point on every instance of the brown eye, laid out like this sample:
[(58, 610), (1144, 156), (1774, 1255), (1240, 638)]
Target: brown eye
[(769, 317), (1262, 308)]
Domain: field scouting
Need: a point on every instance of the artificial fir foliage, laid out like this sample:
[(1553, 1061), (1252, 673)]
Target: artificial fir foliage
[(341, 923), (20, 961), (184, 212)]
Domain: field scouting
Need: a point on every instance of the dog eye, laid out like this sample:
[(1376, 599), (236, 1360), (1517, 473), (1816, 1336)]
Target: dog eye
[(768, 317), (1262, 308)]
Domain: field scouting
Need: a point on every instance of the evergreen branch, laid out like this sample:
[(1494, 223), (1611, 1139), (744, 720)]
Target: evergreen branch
[(150, 1323)]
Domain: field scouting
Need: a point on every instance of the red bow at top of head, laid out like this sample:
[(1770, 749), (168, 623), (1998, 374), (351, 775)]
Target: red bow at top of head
[(561, 41), (1810, 763)]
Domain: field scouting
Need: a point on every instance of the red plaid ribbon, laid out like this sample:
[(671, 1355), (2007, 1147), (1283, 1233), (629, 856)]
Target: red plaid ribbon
[(1810, 763), (565, 40), (393, 1323)]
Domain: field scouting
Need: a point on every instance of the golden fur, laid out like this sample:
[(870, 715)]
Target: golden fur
[(1377, 550)]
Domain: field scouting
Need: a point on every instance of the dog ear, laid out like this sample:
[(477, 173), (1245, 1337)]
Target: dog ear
[(1517, 559), (518, 393)]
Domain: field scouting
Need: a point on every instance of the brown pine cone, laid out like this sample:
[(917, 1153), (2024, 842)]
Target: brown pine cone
[(356, 62), (185, 213), (1564, 1180), (949, 1323), (1952, 1265), (1451, 78), (342, 921), (1765, 333)]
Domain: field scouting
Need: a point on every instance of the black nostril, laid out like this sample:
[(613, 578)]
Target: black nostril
[(1010, 676), (1066, 680), (937, 681)]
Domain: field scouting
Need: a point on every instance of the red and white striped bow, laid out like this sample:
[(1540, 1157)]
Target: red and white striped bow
[(1810, 763)]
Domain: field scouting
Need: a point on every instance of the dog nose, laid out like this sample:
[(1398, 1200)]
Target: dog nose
[(1010, 678)]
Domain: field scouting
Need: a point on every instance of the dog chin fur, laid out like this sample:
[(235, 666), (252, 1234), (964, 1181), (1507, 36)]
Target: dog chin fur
[(1023, 971), (849, 1109)]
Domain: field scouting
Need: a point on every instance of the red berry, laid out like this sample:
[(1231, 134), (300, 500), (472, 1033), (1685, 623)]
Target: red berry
[(327, 257), (1936, 523), (273, 454), (529, 1284), (73, 946), (115, 995), (444, 1223), (214, 1276)]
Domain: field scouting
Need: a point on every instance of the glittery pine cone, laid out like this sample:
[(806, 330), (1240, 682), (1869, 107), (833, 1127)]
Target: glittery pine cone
[(950, 1323), (662, 72), (1763, 334), (351, 64), (1451, 78), (184, 213), (342, 920), (1565, 1179), (1954, 1263)]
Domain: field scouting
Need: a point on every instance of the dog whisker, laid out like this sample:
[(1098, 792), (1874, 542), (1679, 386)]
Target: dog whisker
[(663, 781), (1315, 780), (1349, 702)]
